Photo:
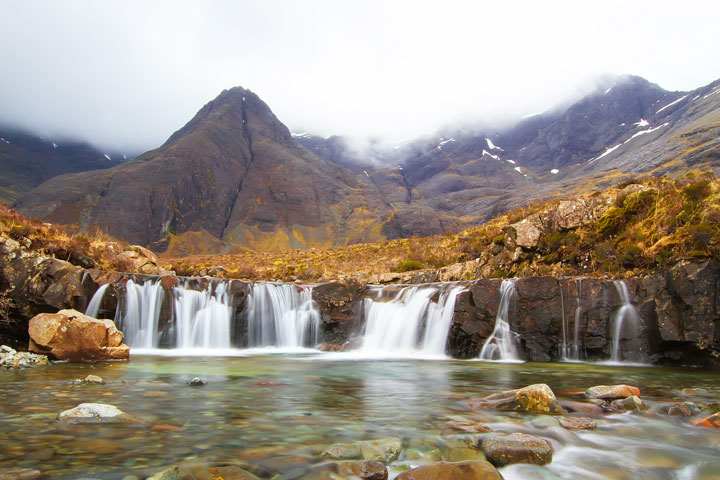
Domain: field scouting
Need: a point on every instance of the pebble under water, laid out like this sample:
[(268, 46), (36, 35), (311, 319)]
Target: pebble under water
[(274, 414)]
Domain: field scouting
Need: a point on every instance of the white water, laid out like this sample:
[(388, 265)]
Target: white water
[(137, 316), (625, 323), (202, 319), (501, 344), (410, 323), (94, 305), (282, 315), (578, 316)]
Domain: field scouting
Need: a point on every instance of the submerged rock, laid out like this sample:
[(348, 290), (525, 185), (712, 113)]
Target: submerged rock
[(503, 449), (196, 382), (538, 398), (577, 423), (96, 413), (11, 358), (360, 470), (203, 471), (70, 335), (470, 470), (19, 474), (342, 450), (612, 392), (384, 450), (94, 379), (632, 403)]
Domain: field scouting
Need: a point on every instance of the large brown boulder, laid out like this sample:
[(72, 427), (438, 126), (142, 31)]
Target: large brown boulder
[(502, 450), (470, 470), (70, 335)]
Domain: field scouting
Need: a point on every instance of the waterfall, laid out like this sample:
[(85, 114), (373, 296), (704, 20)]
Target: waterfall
[(500, 345), (564, 348), (416, 320), (137, 317), (575, 352), (626, 321), (94, 306), (282, 315), (202, 319)]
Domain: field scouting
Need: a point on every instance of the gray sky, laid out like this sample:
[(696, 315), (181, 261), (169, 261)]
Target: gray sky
[(128, 73)]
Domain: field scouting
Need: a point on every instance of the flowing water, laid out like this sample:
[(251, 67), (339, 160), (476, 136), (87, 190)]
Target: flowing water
[(94, 304), (275, 413), (415, 320), (501, 344), (625, 323)]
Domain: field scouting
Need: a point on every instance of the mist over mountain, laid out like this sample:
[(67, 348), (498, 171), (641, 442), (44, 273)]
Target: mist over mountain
[(235, 177)]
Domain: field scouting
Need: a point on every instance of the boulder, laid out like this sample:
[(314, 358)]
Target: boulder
[(384, 450), (96, 413), (577, 423), (632, 403), (612, 392), (469, 470), (19, 474), (538, 398), (526, 233), (70, 335), (506, 449), (142, 260)]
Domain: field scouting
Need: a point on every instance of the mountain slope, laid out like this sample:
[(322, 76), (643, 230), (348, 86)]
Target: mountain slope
[(27, 160)]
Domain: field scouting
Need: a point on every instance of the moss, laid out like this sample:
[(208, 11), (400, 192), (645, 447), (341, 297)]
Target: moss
[(409, 265), (499, 240), (611, 222)]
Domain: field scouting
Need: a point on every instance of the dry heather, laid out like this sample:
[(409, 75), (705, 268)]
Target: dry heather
[(641, 232)]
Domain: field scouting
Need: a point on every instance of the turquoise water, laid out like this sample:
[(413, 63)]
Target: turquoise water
[(274, 414)]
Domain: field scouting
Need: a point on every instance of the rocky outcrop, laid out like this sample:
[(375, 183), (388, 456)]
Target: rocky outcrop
[(339, 304), (70, 335)]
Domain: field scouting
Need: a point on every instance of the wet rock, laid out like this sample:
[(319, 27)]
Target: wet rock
[(710, 407), (360, 470), (612, 392), (19, 474), (577, 423), (196, 382), (680, 410), (329, 347), (70, 335), (342, 450), (470, 470), (538, 398), (582, 407), (632, 403), (94, 379), (384, 450), (713, 421), (465, 424), (503, 450), (462, 454), (425, 455), (96, 413)]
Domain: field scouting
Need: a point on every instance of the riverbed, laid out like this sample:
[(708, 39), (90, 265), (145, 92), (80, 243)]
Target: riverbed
[(275, 413)]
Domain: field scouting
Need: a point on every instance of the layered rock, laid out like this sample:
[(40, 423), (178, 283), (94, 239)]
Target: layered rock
[(70, 335)]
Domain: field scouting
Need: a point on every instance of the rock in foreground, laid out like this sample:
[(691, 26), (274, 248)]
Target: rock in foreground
[(473, 470), (96, 413), (70, 335), (361, 470), (538, 398), (503, 450), (612, 392)]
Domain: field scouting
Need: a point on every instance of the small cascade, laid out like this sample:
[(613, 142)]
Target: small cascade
[(416, 320), (94, 306), (575, 351), (202, 318), (501, 344), (626, 322), (564, 347), (282, 315), (138, 314)]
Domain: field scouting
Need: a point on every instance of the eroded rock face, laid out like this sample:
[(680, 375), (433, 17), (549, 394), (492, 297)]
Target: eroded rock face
[(469, 470), (70, 335)]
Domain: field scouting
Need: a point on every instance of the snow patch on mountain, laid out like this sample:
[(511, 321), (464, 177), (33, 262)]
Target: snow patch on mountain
[(672, 103)]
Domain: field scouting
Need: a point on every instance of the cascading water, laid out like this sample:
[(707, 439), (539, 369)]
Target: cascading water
[(137, 316), (94, 306), (202, 318), (626, 321), (410, 322), (564, 347), (575, 351), (500, 345), (282, 315)]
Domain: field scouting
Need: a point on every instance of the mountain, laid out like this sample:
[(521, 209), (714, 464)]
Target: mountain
[(232, 176), (28, 160), (235, 177)]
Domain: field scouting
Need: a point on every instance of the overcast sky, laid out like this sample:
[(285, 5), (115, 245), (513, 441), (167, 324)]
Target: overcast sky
[(128, 73)]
